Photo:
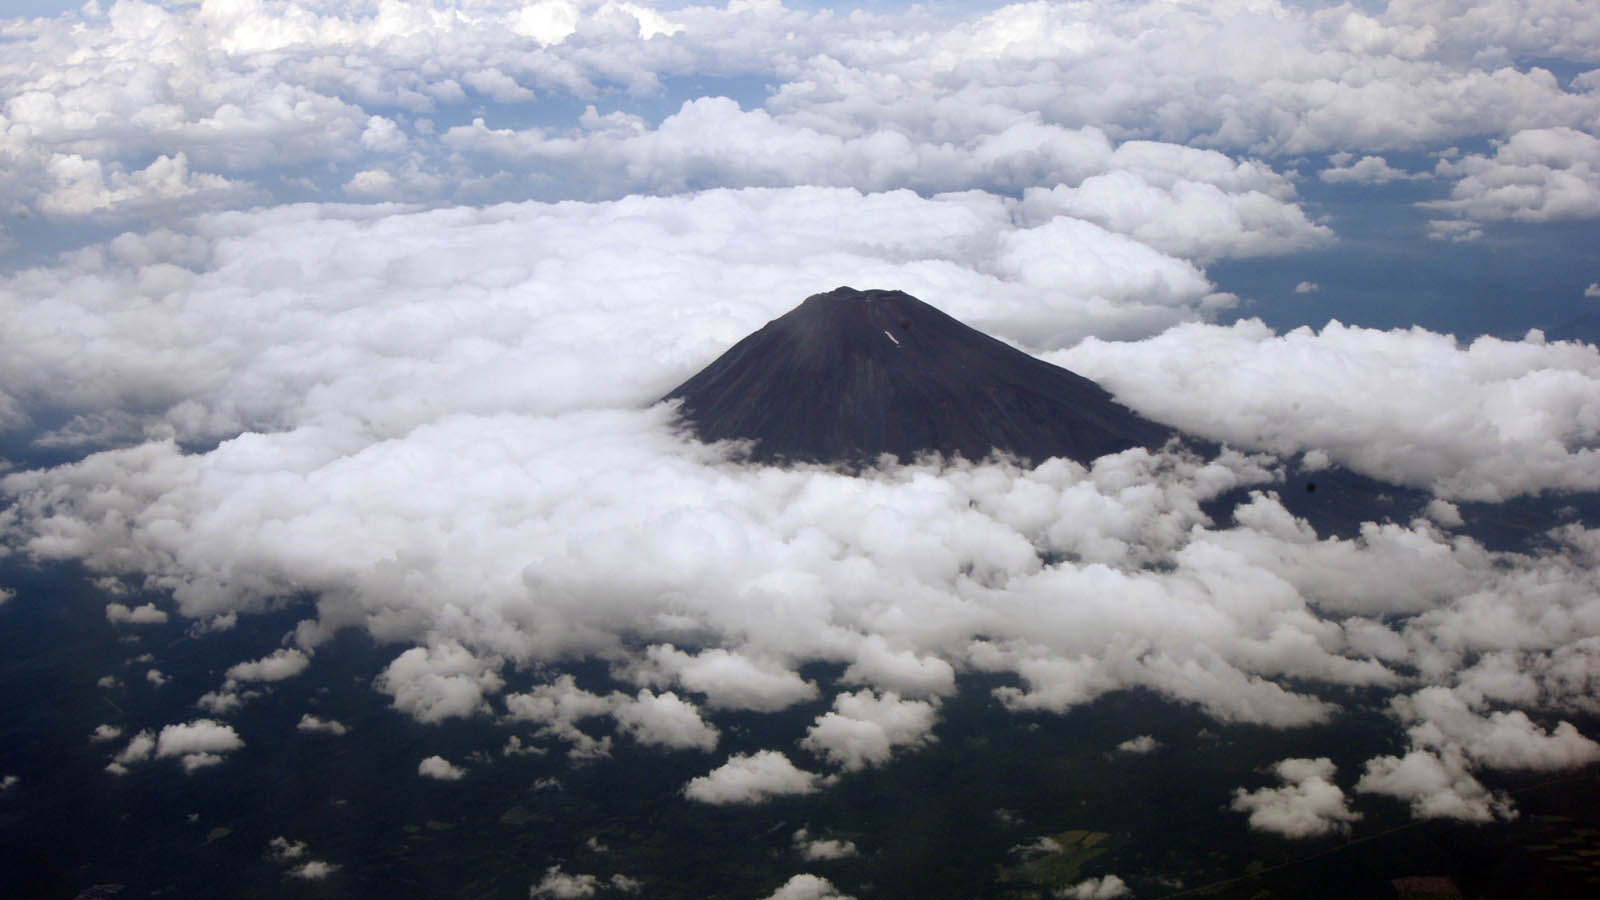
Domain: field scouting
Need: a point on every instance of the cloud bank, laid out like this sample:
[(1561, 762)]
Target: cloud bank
[(428, 102), (372, 307)]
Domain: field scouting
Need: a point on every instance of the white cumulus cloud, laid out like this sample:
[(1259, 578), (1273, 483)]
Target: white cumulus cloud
[(439, 682), (316, 725), (864, 728), (280, 664), (1140, 745), (1308, 804), (1369, 170), (1535, 175), (562, 885), (751, 779), (380, 331), (808, 887), (665, 720), (440, 769), (1484, 421), (1103, 888), (144, 614), (814, 848)]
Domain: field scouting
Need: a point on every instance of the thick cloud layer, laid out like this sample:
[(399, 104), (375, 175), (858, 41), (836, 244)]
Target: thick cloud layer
[(1485, 421), (292, 315), (292, 98), (435, 418), (523, 539)]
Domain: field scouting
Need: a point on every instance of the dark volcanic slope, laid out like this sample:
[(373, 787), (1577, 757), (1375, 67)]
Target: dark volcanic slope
[(849, 375)]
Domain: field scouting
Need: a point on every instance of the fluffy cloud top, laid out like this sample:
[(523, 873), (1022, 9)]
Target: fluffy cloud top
[(138, 750), (660, 720), (146, 614), (1195, 220), (1140, 745), (1308, 804), (559, 707), (436, 417), (864, 729), (313, 870), (666, 721), (1079, 580), (808, 887), (1449, 738), (561, 885), (823, 848), (930, 99), (1536, 175), (1500, 739), (728, 680), (79, 187), (440, 769), (1104, 888), (1194, 203), (283, 850), (1486, 421), (197, 744), (199, 736), (314, 724), (751, 779), (439, 682), (106, 732), (1366, 170), (1437, 787), (299, 315), (280, 664)]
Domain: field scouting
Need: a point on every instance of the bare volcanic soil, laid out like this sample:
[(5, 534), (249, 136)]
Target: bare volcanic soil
[(849, 375)]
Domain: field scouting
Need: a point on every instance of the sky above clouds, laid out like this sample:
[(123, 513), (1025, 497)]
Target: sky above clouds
[(371, 304)]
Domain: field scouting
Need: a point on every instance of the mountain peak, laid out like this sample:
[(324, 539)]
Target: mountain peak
[(850, 375)]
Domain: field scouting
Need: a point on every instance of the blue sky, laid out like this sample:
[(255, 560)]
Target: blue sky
[(370, 303)]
